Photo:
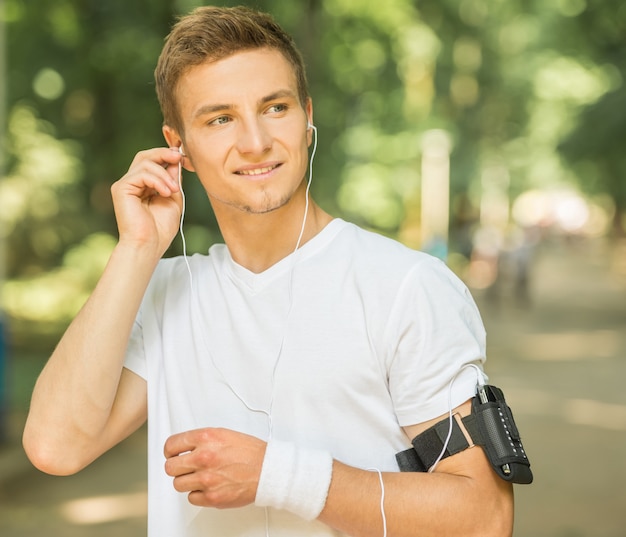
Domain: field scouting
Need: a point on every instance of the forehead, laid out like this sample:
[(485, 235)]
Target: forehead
[(238, 78)]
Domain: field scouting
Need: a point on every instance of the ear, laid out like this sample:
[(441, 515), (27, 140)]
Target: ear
[(174, 139), (308, 109)]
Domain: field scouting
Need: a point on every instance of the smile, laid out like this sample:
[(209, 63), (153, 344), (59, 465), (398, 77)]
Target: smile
[(258, 171)]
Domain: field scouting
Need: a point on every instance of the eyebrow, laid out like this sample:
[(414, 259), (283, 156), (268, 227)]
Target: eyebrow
[(213, 108)]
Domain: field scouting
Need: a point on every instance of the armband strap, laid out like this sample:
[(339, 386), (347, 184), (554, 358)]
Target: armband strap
[(428, 445), (295, 479), (490, 425)]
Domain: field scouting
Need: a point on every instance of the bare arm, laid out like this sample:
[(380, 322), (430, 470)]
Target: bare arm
[(84, 401), (463, 496)]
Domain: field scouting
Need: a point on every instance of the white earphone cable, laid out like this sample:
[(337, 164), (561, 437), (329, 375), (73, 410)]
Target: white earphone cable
[(382, 498), (182, 218), (480, 381)]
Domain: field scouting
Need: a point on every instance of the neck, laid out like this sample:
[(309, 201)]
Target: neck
[(258, 241)]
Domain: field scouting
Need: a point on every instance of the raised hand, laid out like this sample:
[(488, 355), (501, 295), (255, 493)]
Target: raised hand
[(148, 201)]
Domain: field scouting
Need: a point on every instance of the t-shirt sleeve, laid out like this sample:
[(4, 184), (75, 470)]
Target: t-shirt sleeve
[(435, 331), (135, 352), (144, 337)]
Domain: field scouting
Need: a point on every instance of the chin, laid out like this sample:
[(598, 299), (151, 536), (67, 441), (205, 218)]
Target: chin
[(267, 205), (266, 209)]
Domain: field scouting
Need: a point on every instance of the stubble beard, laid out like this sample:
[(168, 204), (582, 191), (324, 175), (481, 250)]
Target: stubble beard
[(268, 203)]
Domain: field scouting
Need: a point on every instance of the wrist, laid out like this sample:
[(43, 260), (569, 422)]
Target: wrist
[(294, 478), (138, 252)]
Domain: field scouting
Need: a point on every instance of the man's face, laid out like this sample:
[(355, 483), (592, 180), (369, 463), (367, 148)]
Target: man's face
[(245, 130)]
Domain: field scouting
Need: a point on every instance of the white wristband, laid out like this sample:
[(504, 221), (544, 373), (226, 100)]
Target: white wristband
[(294, 478)]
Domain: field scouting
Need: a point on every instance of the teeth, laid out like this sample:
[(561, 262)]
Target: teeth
[(258, 171)]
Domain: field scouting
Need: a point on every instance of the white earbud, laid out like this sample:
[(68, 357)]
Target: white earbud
[(309, 125)]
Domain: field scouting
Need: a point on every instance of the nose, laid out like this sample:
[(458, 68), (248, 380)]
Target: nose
[(253, 137)]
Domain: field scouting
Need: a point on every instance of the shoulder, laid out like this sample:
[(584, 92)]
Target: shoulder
[(375, 252), (177, 274), (196, 263), (401, 274)]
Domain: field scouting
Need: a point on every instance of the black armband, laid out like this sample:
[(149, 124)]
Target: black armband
[(490, 425)]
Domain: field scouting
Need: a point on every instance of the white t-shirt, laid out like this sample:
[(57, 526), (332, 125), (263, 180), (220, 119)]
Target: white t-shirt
[(343, 342)]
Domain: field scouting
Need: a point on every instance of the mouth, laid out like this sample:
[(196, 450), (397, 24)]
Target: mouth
[(255, 172)]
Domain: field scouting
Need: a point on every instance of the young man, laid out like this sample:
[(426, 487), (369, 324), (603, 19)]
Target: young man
[(282, 372)]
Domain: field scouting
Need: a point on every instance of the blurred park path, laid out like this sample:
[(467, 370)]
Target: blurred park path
[(560, 358)]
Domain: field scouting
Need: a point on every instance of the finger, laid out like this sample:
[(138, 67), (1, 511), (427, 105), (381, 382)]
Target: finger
[(184, 442), (167, 159), (195, 481), (161, 155), (209, 498), (198, 498), (180, 465), (168, 175), (142, 186), (146, 178)]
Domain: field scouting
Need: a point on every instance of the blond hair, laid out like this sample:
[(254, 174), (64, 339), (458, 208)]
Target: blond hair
[(213, 33)]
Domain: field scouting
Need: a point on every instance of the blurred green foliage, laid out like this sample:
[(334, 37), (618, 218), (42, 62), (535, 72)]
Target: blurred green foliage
[(533, 89)]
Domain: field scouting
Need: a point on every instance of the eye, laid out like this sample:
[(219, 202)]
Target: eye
[(277, 108), (221, 120)]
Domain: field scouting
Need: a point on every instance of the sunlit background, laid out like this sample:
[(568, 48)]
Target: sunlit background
[(490, 133)]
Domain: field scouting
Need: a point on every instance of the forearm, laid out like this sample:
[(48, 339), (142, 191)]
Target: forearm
[(426, 504), (74, 395)]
